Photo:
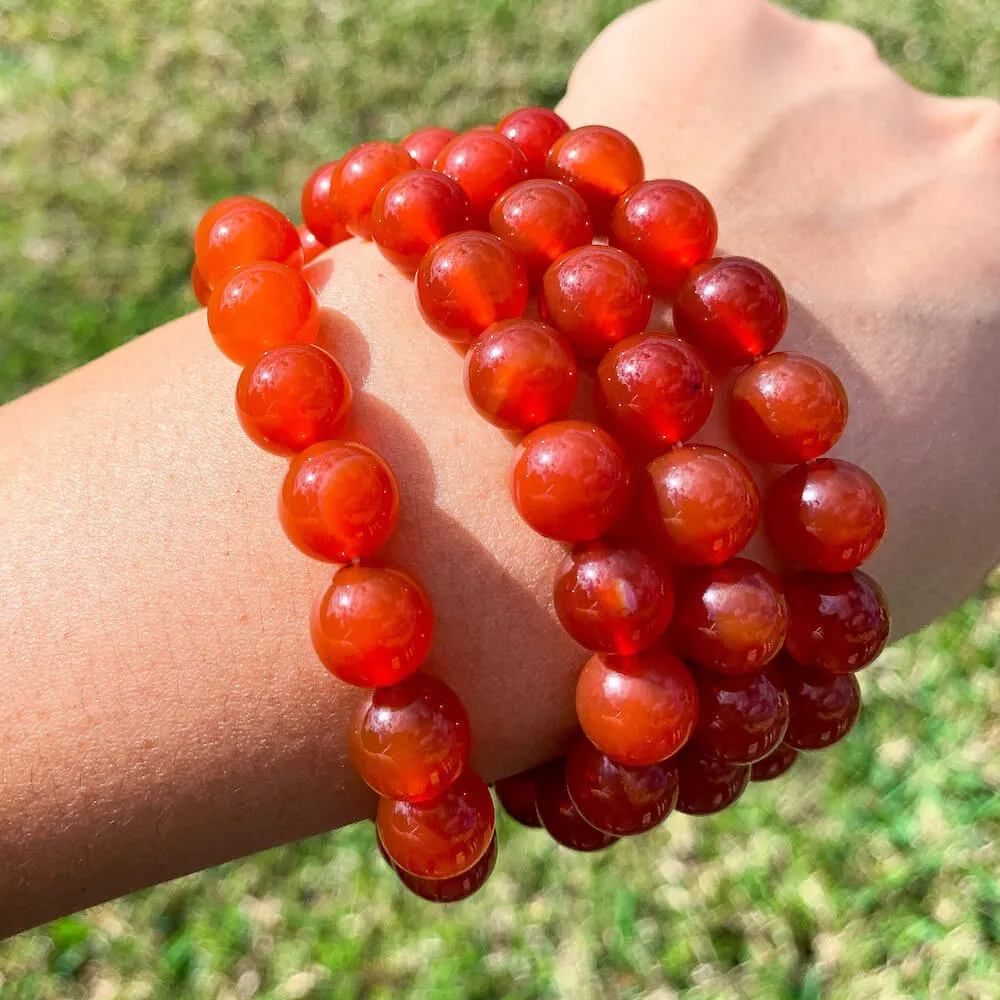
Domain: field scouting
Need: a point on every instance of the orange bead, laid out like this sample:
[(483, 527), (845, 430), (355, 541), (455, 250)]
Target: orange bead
[(260, 307), (293, 397), (201, 291), (318, 210), (775, 764), (517, 796), (570, 480), (823, 707), (425, 144), (339, 501), (311, 247), (637, 709), (219, 209), (561, 819), (533, 131), (448, 890), (373, 625), (359, 176), (708, 786)]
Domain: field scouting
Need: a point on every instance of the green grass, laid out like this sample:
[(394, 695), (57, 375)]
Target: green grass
[(869, 872)]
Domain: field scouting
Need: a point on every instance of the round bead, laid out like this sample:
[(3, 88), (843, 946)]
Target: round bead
[(561, 819), (637, 709), (533, 131), (837, 622), (360, 174), (260, 307), (425, 144), (828, 515), (448, 890), (708, 786), (339, 501), (612, 598), (373, 625), (442, 837), (311, 247), (732, 309), (703, 504), (541, 219), (201, 290), (823, 707), (219, 209), (467, 281), (730, 618), (669, 227), (293, 397), (570, 480), (318, 210), (517, 796), (787, 408), (412, 740), (775, 764), (595, 296)]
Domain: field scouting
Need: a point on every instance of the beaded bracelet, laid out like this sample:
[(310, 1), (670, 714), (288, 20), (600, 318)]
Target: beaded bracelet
[(707, 669)]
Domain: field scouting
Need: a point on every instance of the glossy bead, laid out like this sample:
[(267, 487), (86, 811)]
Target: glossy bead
[(829, 515), (468, 281), (637, 709), (425, 144), (653, 390), (703, 504), (318, 210), (311, 247), (533, 131), (595, 296), (339, 501), (447, 890), (201, 290), (293, 397), (613, 598), (732, 309), (775, 764), (708, 786), (412, 740), (599, 163), (837, 622), (561, 819), (373, 625), (517, 796), (359, 176), (520, 373), (823, 707), (442, 837), (260, 307), (541, 219), (484, 164), (669, 227), (730, 618), (787, 408), (615, 798), (219, 209), (570, 480)]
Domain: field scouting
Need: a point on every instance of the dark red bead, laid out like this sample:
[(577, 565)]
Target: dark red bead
[(318, 210), (823, 707), (561, 819), (775, 764), (533, 131), (517, 796), (448, 890), (359, 176), (484, 164), (425, 144), (708, 786), (311, 247)]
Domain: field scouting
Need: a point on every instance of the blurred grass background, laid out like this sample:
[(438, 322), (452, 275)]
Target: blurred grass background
[(870, 872)]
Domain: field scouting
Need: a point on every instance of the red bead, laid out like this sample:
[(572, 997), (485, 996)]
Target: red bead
[(669, 227), (612, 598), (311, 247), (292, 398), (637, 709), (823, 707), (373, 625), (318, 210), (468, 281), (359, 176), (730, 618), (828, 515), (541, 219), (219, 209), (703, 504), (412, 740), (520, 373), (653, 390), (787, 408), (732, 309), (339, 501), (599, 163), (448, 890), (775, 764), (201, 290), (561, 819), (570, 480), (595, 296), (838, 622), (517, 796), (260, 307), (533, 131), (425, 144), (413, 211), (708, 786), (615, 798), (442, 837)]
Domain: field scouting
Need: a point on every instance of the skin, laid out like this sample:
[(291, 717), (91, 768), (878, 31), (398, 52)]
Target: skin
[(163, 709)]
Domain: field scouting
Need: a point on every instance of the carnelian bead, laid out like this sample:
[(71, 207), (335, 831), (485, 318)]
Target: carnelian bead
[(637, 709), (448, 890), (616, 798), (425, 144), (373, 625), (599, 163), (219, 209), (561, 819), (519, 374), (823, 707), (730, 618), (708, 786), (570, 480), (359, 176), (339, 501), (311, 247), (541, 219), (318, 210), (775, 764), (653, 390), (703, 504), (838, 622), (260, 307), (201, 291), (787, 408), (613, 598), (595, 296), (293, 397), (828, 515), (732, 309), (669, 227), (412, 740), (442, 837), (533, 130), (468, 281), (517, 796)]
